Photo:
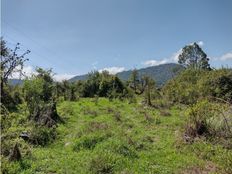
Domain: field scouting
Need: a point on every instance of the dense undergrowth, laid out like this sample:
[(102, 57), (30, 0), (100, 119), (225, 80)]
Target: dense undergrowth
[(117, 137)]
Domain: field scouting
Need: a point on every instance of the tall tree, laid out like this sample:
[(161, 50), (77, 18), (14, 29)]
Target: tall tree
[(134, 80), (193, 56), (38, 92), (150, 84), (11, 62)]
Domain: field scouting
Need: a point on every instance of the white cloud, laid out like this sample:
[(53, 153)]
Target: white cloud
[(175, 55), (155, 62), (61, 77), (200, 43), (227, 56), (113, 70), (27, 71)]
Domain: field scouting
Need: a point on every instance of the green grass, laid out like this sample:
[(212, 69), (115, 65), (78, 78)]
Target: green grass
[(117, 137)]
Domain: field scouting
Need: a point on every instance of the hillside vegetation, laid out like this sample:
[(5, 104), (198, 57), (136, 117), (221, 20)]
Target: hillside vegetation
[(160, 73), (105, 125), (117, 137)]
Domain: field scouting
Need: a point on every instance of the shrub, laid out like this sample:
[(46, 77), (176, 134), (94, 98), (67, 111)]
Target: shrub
[(96, 126), (192, 85), (184, 88), (211, 120), (101, 164), (126, 151), (66, 110), (42, 136), (46, 115), (104, 85), (198, 116), (40, 100), (217, 84), (117, 116), (14, 149), (88, 142)]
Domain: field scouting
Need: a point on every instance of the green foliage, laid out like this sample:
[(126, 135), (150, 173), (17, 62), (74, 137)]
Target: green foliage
[(149, 88), (134, 80), (194, 57), (88, 142), (101, 144), (217, 84), (191, 85), (33, 90), (183, 88), (40, 100), (12, 97), (130, 96), (42, 136), (11, 61), (199, 115), (69, 91), (39, 89), (91, 86), (210, 120), (104, 85), (102, 164)]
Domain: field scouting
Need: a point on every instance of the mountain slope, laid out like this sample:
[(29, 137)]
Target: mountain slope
[(15, 82), (161, 73)]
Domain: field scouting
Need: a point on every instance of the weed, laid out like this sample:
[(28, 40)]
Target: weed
[(117, 116), (88, 142), (102, 164)]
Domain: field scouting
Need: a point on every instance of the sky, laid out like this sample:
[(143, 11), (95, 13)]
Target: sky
[(74, 37)]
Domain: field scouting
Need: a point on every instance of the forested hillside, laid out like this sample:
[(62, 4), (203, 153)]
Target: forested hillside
[(161, 73)]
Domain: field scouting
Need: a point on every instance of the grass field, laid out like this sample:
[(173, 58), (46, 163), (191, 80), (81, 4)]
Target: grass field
[(117, 137)]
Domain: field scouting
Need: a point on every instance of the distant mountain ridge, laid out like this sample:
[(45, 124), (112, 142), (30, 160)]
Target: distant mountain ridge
[(160, 73), (15, 82)]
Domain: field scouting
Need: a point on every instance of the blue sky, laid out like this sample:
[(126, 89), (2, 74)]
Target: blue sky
[(76, 36)]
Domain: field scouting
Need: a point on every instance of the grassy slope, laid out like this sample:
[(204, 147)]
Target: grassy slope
[(93, 140)]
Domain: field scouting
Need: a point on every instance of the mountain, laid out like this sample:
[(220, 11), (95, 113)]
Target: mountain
[(160, 73), (79, 77), (15, 82)]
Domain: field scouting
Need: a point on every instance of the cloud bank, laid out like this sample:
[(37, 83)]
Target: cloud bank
[(155, 62), (61, 77), (226, 56), (28, 71), (113, 70)]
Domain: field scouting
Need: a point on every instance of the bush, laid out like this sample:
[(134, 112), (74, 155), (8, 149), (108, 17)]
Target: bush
[(211, 120), (217, 84), (101, 164), (42, 136), (183, 88), (199, 115), (46, 115), (40, 100), (192, 85), (126, 151), (88, 142), (103, 85), (10, 98)]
